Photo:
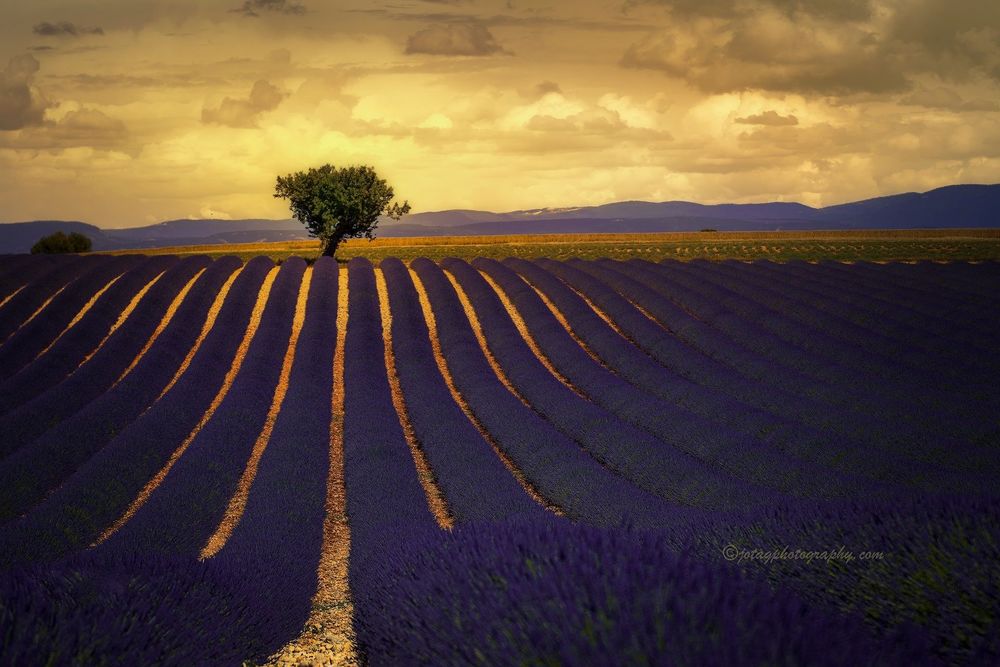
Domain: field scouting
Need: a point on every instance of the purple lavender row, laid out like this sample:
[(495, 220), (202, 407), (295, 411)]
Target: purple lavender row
[(750, 326), (187, 507), (791, 436), (929, 301), (697, 334), (915, 287), (563, 594), (944, 411), (959, 280), (23, 271), (475, 483), (12, 265), (829, 313), (736, 453), (103, 456), (31, 339), (952, 348), (616, 426), (551, 462), (819, 326), (385, 501), (890, 395), (931, 563), (280, 535), (885, 315), (958, 400), (700, 364), (744, 319), (34, 295), (72, 348), (656, 453), (33, 417), (862, 418)]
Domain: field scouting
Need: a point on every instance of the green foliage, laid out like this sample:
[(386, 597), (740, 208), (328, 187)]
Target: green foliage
[(336, 204), (61, 243)]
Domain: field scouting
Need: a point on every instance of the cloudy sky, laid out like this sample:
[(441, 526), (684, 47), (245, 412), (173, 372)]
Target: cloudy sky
[(127, 112)]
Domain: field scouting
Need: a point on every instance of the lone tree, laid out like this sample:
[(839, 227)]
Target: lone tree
[(336, 204), (61, 243)]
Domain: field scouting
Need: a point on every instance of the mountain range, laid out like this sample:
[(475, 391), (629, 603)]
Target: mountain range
[(956, 206)]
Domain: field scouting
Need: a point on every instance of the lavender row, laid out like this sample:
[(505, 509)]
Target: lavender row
[(663, 465), (385, 501), (766, 328), (750, 326), (280, 535), (188, 505), (32, 338), (702, 364), (87, 383), (112, 448), (843, 339), (930, 309), (920, 292), (72, 348), (474, 482), (26, 302), (551, 462), (927, 562), (789, 435), (557, 594), (949, 411), (22, 271), (711, 342), (889, 395), (670, 464), (854, 301), (737, 455), (859, 418)]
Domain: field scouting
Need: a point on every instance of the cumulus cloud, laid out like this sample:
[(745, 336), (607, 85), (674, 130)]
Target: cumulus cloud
[(769, 117), (846, 10), (254, 8), (815, 46), (454, 39), (21, 104), (771, 51), (546, 87), (944, 98), (264, 96), (64, 29), (79, 128)]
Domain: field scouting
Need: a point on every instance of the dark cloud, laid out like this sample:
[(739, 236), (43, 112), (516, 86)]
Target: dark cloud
[(457, 39), (254, 8), (21, 104), (943, 98), (264, 96), (64, 29), (769, 117), (546, 87), (843, 10), (41, 48), (770, 51), (81, 128), (815, 46)]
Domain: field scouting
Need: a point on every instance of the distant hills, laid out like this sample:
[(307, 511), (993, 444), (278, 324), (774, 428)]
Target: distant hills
[(956, 206)]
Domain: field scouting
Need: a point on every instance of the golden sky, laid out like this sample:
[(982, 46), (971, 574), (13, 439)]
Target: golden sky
[(127, 112)]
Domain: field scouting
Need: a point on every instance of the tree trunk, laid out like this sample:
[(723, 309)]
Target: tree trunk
[(329, 248)]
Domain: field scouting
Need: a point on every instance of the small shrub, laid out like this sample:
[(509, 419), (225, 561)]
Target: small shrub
[(59, 243)]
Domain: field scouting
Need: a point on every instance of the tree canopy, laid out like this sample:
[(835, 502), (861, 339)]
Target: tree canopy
[(62, 243), (339, 203)]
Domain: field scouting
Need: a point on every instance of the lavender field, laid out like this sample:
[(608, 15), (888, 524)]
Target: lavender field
[(530, 462)]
